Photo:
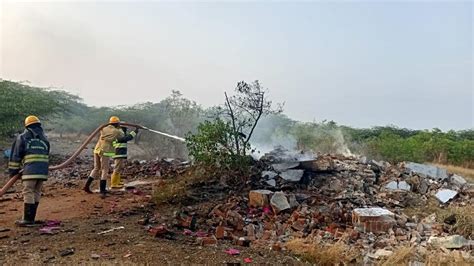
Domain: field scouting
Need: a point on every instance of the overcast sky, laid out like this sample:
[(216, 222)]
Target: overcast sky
[(358, 63)]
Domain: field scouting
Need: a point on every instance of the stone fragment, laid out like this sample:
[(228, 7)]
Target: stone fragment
[(259, 198), (444, 195), (271, 182), (402, 185), (279, 202), (285, 166), (380, 253), (373, 219), (424, 170), (458, 180), (292, 201), (269, 174), (292, 175), (320, 164), (450, 242)]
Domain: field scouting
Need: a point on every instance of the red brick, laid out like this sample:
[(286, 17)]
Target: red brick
[(220, 232)]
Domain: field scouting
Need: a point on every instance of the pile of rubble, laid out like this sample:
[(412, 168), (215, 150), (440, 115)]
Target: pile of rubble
[(329, 198)]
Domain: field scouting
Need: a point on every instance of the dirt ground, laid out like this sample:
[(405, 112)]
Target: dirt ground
[(84, 216)]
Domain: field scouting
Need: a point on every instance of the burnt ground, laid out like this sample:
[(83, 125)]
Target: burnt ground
[(83, 216)]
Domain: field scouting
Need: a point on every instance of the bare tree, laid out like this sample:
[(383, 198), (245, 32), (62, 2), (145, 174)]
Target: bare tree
[(244, 109)]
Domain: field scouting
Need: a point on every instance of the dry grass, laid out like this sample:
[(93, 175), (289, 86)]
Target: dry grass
[(452, 258), (464, 220), (432, 206), (401, 256), (316, 253), (407, 254), (467, 173)]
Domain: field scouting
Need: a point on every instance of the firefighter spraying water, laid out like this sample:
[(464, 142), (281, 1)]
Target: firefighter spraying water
[(18, 174)]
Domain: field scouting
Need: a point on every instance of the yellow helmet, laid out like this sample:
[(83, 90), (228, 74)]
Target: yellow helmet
[(114, 120), (31, 119)]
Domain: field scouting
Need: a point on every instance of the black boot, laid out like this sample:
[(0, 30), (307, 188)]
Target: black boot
[(103, 188), (34, 214), (87, 185), (28, 218)]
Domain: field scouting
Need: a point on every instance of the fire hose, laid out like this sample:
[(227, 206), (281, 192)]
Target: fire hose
[(15, 178)]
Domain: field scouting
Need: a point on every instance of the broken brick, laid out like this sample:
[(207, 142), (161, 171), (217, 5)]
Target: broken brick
[(220, 232), (373, 220), (259, 198)]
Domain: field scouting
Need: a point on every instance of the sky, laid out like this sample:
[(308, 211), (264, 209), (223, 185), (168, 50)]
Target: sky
[(372, 63)]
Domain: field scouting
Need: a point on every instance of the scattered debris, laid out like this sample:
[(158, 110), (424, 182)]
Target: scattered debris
[(395, 185), (292, 175), (436, 173), (111, 230), (380, 253), (450, 242), (259, 198), (232, 251), (444, 195), (279, 202)]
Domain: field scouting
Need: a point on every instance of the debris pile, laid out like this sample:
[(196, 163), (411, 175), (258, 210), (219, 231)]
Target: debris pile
[(327, 198)]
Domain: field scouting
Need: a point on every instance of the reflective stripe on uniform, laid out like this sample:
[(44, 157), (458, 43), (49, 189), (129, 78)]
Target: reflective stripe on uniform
[(120, 156), (31, 177), (120, 145), (109, 154), (133, 133), (30, 158), (14, 165)]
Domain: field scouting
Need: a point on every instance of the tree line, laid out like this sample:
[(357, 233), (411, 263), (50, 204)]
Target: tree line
[(66, 113)]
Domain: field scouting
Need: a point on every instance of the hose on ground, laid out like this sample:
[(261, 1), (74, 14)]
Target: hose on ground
[(15, 178)]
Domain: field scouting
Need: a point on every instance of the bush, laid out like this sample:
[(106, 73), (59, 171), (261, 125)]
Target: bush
[(213, 145)]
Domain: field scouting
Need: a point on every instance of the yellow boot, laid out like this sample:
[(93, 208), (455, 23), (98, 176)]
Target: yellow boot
[(120, 182), (115, 181)]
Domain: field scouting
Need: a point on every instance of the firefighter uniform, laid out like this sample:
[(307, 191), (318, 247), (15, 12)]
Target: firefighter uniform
[(103, 151), (120, 145), (30, 152)]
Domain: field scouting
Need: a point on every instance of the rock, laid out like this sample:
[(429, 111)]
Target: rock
[(292, 201), (395, 185), (285, 166), (279, 202), (450, 242), (66, 252), (320, 164), (380, 253), (424, 186), (377, 165), (444, 195), (372, 219), (271, 182), (292, 175), (95, 256), (259, 198), (458, 180), (424, 170), (269, 174)]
